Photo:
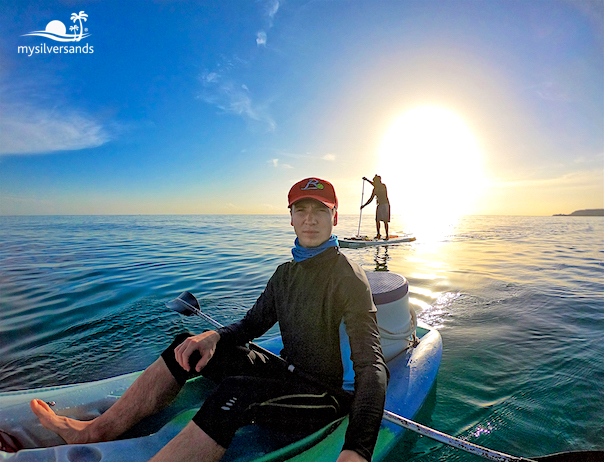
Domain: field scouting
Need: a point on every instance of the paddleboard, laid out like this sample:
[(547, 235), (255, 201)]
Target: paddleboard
[(365, 241), (412, 374)]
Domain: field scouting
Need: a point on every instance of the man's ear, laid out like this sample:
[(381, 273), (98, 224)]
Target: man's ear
[(335, 218), (291, 214)]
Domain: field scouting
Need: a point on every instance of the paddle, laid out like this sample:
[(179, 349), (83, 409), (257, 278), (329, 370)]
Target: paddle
[(361, 212), (187, 304)]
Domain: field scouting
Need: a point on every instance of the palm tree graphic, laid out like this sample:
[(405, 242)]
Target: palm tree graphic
[(75, 29), (78, 17)]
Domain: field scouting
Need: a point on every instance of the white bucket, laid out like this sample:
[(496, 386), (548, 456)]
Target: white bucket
[(396, 320)]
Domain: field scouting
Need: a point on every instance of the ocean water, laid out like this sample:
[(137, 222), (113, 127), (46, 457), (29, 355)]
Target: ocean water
[(519, 302)]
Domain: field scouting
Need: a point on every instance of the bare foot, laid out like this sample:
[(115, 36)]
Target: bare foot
[(71, 430)]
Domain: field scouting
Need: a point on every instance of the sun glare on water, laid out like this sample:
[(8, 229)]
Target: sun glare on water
[(431, 164)]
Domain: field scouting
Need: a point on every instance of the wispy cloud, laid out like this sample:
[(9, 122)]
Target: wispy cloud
[(270, 10), (271, 7), (222, 91), (308, 156), (277, 164), (552, 91), (31, 130)]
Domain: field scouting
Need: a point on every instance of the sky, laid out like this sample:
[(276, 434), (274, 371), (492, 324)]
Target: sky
[(489, 107)]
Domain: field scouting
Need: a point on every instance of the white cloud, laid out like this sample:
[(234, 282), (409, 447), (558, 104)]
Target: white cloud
[(30, 130), (211, 77), (329, 157), (277, 164), (261, 38)]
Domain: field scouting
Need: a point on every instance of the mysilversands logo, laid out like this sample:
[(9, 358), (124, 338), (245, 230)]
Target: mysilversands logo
[(56, 30)]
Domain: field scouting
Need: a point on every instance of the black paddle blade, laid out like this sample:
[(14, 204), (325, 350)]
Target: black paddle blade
[(573, 456), (185, 303)]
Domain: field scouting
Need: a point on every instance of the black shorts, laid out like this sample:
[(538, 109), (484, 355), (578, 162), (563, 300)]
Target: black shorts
[(256, 389)]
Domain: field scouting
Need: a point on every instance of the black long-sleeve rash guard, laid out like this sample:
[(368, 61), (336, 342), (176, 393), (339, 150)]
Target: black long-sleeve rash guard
[(310, 300)]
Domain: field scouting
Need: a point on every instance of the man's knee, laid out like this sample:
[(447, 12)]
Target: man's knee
[(222, 412), (169, 358), (229, 360)]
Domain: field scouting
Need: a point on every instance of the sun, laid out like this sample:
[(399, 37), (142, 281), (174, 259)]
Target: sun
[(56, 27), (432, 165)]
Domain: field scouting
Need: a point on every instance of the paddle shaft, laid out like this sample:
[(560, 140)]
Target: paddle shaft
[(451, 440), (361, 212)]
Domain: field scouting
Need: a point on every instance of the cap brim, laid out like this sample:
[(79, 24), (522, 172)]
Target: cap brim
[(322, 200)]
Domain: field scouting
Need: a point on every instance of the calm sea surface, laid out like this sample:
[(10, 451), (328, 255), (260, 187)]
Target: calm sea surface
[(519, 302)]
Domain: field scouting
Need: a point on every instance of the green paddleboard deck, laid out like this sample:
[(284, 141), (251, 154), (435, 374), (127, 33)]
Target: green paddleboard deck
[(412, 375)]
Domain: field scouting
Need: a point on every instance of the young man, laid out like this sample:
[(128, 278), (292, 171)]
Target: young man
[(382, 212), (326, 315)]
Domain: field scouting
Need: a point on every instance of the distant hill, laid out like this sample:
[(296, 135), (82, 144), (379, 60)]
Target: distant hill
[(583, 213)]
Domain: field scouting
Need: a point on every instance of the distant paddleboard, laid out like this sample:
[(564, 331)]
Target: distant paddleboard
[(365, 241)]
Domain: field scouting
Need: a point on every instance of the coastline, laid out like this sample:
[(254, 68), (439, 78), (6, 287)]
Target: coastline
[(583, 213)]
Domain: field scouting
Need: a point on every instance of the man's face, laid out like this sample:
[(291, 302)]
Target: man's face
[(312, 221)]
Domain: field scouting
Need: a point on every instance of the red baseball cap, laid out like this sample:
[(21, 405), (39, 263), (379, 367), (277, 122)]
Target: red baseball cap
[(313, 188)]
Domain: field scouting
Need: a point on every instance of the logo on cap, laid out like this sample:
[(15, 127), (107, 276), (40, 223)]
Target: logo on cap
[(313, 183)]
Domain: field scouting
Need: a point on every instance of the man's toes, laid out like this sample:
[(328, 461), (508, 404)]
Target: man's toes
[(39, 407)]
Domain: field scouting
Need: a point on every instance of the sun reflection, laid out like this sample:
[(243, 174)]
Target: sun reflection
[(426, 292), (432, 165)]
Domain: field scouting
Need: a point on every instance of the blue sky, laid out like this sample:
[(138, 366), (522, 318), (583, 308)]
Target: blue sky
[(219, 106)]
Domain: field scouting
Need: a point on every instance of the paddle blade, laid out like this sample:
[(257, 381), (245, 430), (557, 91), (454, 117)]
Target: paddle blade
[(185, 303), (573, 456)]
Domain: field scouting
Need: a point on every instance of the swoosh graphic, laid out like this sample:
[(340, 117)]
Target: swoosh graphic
[(57, 38)]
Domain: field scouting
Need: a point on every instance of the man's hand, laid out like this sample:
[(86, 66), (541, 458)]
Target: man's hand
[(204, 343), (350, 456)]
